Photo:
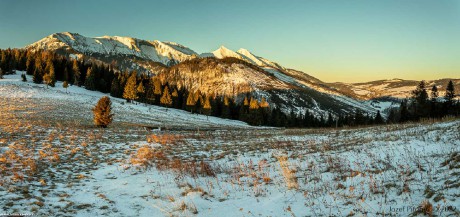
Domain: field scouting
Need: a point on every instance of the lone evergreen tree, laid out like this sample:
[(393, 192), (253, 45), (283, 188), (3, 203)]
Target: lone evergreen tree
[(103, 112), (130, 92)]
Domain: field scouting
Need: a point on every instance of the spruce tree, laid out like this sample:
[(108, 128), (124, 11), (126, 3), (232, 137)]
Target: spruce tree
[(434, 93), (166, 98), (90, 81), (449, 97), (49, 77), (30, 64), (264, 104), (255, 116), (76, 73), (419, 94), (175, 98), (378, 118), (330, 120), (226, 110), (157, 91), (359, 118), (140, 91), (450, 92), (420, 97), (130, 92), (24, 78), (115, 89), (149, 91), (404, 113), (198, 102), (4, 63), (38, 76), (103, 112), (392, 118), (207, 106), (190, 102), (253, 104), (433, 102), (244, 110)]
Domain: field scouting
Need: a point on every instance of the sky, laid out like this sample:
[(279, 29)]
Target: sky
[(333, 40)]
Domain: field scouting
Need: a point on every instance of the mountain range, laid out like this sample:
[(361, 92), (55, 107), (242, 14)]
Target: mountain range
[(232, 73)]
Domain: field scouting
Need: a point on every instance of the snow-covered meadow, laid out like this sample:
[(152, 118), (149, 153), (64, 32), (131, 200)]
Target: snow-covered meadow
[(53, 162)]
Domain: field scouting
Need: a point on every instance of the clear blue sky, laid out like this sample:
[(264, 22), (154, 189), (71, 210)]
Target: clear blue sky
[(342, 40)]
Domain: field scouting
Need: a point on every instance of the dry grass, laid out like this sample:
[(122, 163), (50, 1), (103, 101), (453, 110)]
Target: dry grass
[(146, 156), (288, 172)]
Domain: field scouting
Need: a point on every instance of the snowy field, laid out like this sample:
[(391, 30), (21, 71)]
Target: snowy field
[(75, 104), (54, 163)]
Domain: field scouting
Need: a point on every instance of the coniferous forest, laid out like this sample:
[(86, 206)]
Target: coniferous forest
[(48, 67)]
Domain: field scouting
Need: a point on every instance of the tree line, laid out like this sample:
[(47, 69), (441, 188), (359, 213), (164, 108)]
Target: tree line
[(48, 67), (424, 104)]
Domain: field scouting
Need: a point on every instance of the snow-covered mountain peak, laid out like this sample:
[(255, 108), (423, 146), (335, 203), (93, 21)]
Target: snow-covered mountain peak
[(156, 51), (224, 52)]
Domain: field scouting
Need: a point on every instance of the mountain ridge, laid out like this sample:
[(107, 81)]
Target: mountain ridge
[(157, 57)]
